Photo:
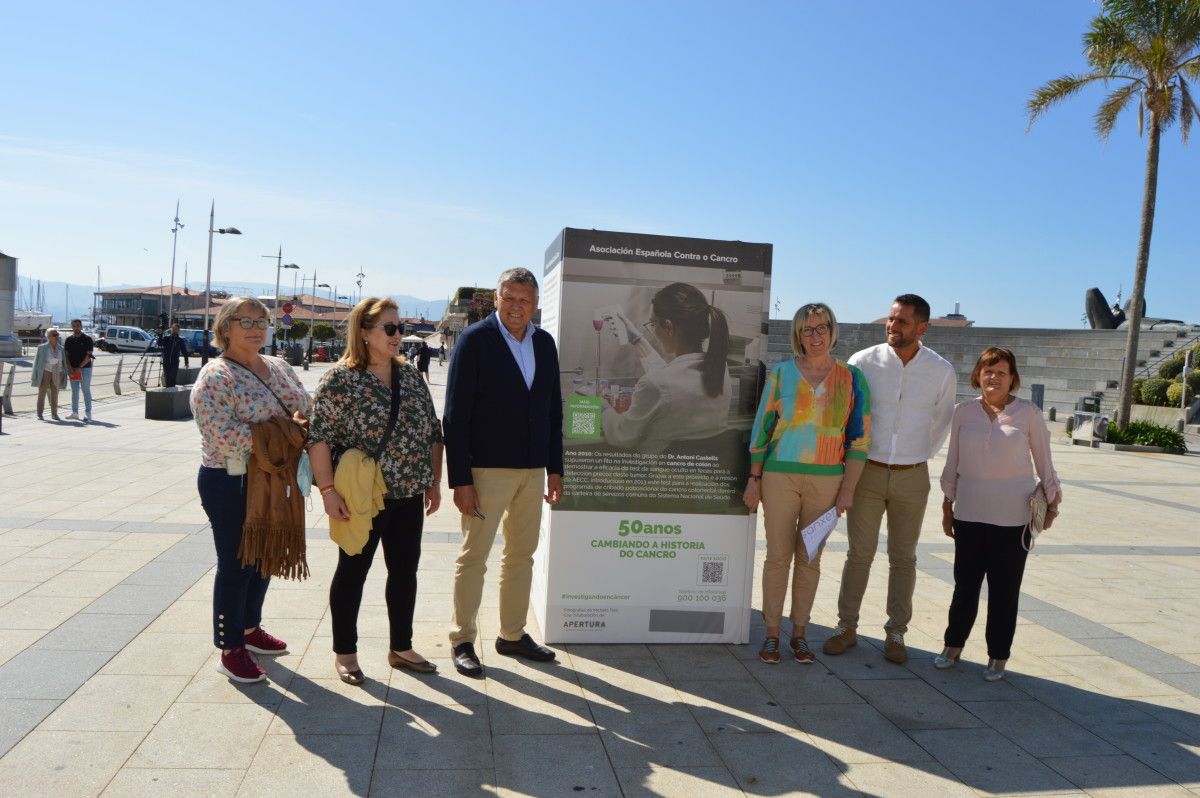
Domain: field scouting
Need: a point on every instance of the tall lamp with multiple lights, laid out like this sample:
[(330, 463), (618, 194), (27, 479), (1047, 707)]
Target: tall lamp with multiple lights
[(279, 267)]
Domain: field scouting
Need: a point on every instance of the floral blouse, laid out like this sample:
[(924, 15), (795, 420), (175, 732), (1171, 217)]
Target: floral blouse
[(228, 398), (351, 410)]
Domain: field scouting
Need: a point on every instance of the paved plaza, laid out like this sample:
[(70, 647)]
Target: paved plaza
[(108, 687)]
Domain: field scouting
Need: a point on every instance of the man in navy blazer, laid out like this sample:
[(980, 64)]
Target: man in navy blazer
[(503, 434)]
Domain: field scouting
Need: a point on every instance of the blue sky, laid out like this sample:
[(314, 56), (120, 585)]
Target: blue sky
[(880, 146)]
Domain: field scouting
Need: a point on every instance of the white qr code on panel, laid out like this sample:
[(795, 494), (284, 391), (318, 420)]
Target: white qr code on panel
[(712, 571), (583, 424)]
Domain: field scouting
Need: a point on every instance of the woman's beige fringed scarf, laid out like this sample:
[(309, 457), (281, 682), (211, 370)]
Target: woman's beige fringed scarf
[(273, 534)]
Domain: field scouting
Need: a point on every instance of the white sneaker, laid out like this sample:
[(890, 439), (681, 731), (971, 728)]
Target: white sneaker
[(73, 416), (87, 419)]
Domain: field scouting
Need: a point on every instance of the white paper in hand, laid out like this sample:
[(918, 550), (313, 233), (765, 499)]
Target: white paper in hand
[(815, 533)]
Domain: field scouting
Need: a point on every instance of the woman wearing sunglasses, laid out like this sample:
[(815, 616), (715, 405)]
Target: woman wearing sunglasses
[(353, 410), (233, 392)]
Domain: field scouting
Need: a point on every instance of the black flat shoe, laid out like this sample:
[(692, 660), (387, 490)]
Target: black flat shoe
[(466, 662), (525, 647), (400, 663)]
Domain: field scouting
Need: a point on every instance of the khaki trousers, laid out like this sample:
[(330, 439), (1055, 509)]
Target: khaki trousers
[(790, 503), (48, 385), (513, 495), (902, 495)]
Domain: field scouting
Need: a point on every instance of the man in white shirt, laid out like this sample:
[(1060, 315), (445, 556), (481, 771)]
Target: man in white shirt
[(912, 399)]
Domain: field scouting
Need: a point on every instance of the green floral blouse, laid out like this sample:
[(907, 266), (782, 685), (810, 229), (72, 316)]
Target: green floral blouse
[(351, 409)]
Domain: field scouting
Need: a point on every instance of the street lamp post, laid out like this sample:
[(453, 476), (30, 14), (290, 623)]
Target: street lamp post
[(174, 238), (279, 266), (313, 321), (208, 274)]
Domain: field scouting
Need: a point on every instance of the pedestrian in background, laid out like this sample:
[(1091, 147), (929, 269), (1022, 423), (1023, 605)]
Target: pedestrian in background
[(49, 373), (80, 348), (172, 348)]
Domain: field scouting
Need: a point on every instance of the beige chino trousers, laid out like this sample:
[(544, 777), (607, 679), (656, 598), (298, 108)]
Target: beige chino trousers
[(512, 496), (790, 503)]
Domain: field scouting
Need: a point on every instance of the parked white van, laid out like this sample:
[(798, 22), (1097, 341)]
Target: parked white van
[(126, 339)]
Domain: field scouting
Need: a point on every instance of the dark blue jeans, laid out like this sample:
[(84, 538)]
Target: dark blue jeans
[(239, 590)]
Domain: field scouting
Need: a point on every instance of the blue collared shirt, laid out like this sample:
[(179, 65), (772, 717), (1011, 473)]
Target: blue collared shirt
[(522, 351)]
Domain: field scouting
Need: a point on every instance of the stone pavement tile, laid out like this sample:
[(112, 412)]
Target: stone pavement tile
[(39, 612), (1068, 624), (623, 682), (168, 573), (1186, 682), (117, 703), (607, 652), (458, 783), (1115, 777), (793, 684), (1182, 712), (580, 765), (126, 561), (864, 661), (677, 782), (139, 540), (155, 783), (1081, 701), (48, 674), (78, 525), (19, 716), (199, 736), (913, 704), (68, 548), (698, 662), (448, 686), (964, 682), (185, 616), (653, 735), (27, 536), (292, 603), (774, 763), (9, 552), (10, 590), (32, 569), (63, 763), (311, 764), (856, 733), (729, 706), (14, 641), (440, 737), (520, 704), (162, 653), (130, 599), (894, 779), (1113, 677), (330, 706), (986, 761), (194, 549), (83, 584), (95, 632), (210, 687), (1038, 729), (1167, 637), (1146, 658), (1167, 749), (1042, 642)]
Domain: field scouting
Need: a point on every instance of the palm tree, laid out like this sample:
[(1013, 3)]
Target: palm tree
[(1150, 49)]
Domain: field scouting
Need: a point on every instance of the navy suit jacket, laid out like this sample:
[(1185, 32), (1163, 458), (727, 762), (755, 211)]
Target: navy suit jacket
[(491, 419)]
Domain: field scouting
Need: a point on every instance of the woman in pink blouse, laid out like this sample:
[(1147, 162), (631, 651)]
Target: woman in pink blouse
[(232, 392), (997, 442)]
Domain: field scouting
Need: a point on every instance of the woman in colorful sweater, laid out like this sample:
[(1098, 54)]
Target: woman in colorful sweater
[(807, 451)]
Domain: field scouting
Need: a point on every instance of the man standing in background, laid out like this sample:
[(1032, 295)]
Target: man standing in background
[(79, 348), (172, 347), (912, 400)]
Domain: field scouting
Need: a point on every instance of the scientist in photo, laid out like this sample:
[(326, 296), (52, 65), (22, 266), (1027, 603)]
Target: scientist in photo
[(686, 397)]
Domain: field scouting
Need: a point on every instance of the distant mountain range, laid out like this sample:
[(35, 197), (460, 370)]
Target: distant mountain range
[(65, 301)]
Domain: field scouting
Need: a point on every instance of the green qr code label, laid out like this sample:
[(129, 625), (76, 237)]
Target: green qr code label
[(583, 417)]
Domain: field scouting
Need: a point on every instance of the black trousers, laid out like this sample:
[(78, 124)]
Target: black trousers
[(398, 526), (170, 371), (995, 552)]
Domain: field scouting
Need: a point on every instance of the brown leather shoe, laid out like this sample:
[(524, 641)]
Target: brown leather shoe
[(801, 652), (894, 650), (769, 653), (400, 663), (841, 639)]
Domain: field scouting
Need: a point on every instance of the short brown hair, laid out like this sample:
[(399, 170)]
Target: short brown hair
[(990, 357), (365, 316), (226, 313)]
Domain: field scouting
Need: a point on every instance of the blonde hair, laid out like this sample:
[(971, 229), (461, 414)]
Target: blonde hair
[(227, 312), (802, 316), (365, 316)]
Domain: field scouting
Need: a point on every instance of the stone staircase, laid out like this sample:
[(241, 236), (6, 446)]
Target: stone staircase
[(1069, 363)]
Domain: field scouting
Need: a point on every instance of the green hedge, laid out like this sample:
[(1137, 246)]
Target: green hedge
[(1154, 391), (1147, 433), (1175, 394), (1137, 391)]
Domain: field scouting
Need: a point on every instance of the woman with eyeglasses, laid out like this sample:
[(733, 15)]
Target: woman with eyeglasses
[(685, 398), (352, 409), (808, 447), (233, 392), (999, 454), (49, 373)]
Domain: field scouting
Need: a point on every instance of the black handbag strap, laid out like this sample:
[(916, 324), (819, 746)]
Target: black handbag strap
[(286, 412), (394, 416)]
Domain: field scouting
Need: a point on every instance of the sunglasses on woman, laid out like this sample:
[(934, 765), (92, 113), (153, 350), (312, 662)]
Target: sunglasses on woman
[(390, 329), (247, 322)]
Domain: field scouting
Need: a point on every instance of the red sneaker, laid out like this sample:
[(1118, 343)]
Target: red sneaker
[(260, 641), (241, 667)]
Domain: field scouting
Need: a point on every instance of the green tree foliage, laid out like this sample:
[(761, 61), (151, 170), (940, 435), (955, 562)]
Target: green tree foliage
[(322, 331), (1175, 394), (299, 330), (1154, 391), (1145, 51)]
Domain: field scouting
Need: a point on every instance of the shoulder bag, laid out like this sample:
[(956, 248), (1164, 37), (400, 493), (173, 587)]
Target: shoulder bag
[(304, 474)]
